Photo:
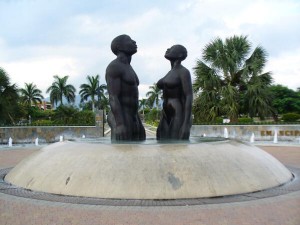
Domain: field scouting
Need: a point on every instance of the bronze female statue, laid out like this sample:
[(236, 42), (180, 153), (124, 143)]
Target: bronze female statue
[(176, 119)]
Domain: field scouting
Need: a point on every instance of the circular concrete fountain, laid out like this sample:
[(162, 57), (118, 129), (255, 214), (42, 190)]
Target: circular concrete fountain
[(149, 171)]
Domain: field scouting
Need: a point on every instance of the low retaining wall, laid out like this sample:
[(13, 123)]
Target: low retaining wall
[(47, 134), (244, 132)]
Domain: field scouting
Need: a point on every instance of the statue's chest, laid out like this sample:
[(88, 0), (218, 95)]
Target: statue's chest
[(130, 77), (171, 80)]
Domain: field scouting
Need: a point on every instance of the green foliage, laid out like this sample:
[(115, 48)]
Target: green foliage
[(229, 82), (85, 117), (30, 94), (64, 115), (91, 91), (9, 107), (42, 123), (152, 115), (218, 120), (39, 114), (68, 115), (285, 100), (153, 96), (244, 120), (290, 117), (60, 89)]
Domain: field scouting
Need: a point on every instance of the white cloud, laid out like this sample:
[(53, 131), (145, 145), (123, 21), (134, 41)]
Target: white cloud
[(286, 69), (40, 71), (75, 40)]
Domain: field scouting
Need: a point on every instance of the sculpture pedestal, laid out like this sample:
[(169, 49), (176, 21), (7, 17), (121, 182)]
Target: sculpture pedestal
[(154, 171)]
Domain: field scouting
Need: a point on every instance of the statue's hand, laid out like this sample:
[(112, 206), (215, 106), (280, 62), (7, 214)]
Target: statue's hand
[(184, 132), (121, 133)]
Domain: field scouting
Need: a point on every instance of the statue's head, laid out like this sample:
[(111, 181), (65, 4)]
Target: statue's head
[(176, 52), (123, 43)]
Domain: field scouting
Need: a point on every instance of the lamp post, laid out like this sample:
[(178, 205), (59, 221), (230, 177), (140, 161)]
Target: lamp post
[(99, 107), (99, 96)]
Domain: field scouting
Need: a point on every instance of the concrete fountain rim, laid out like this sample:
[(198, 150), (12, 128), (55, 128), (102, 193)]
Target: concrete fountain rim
[(134, 171), (287, 188)]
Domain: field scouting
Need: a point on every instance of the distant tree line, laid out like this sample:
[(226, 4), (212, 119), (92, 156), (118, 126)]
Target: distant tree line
[(18, 106)]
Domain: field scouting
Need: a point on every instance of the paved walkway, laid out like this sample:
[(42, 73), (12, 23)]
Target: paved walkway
[(280, 210)]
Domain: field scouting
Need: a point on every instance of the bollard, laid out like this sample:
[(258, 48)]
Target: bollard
[(61, 138)]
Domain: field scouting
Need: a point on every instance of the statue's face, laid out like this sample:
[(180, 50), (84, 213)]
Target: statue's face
[(176, 52), (172, 53), (128, 45)]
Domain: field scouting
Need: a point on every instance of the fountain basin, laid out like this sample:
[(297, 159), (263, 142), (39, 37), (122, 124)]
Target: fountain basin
[(151, 171)]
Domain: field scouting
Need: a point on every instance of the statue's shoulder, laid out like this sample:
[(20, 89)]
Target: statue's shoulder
[(114, 69), (184, 72)]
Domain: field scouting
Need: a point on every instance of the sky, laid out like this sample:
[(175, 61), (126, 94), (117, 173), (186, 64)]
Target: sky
[(42, 38)]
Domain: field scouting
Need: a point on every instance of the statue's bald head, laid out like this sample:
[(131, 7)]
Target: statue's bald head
[(117, 42)]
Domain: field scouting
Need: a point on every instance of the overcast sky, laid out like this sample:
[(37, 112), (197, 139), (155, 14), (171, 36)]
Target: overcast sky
[(42, 38)]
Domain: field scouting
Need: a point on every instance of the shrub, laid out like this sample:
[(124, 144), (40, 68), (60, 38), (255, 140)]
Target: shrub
[(245, 120), (219, 120), (290, 117), (69, 115), (85, 117), (152, 115), (42, 123)]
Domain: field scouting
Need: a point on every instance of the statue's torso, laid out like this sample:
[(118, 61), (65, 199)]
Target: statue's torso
[(172, 85), (129, 88)]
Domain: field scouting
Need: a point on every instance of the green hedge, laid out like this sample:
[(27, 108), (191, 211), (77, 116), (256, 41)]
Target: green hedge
[(290, 117), (245, 120)]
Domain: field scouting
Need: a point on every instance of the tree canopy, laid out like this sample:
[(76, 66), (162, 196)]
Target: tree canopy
[(89, 90), (153, 95), (30, 94), (93, 89), (8, 99), (229, 81), (60, 89), (285, 100)]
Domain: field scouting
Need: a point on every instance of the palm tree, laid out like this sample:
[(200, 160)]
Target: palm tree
[(8, 99), (102, 97), (154, 95), (104, 101), (142, 105), (60, 89), (90, 90), (31, 94), (229, 82)]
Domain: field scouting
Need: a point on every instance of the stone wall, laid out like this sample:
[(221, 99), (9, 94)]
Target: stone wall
[(49, 134), (244, 132)]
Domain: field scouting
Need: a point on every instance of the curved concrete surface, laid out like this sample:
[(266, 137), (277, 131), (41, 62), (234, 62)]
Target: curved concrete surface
[(158, 171)]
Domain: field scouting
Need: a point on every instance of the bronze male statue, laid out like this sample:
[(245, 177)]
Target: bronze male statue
[(122, 84), (176, 119)]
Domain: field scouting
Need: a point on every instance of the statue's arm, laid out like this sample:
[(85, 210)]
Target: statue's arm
[(188, 96), (113, 80)]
